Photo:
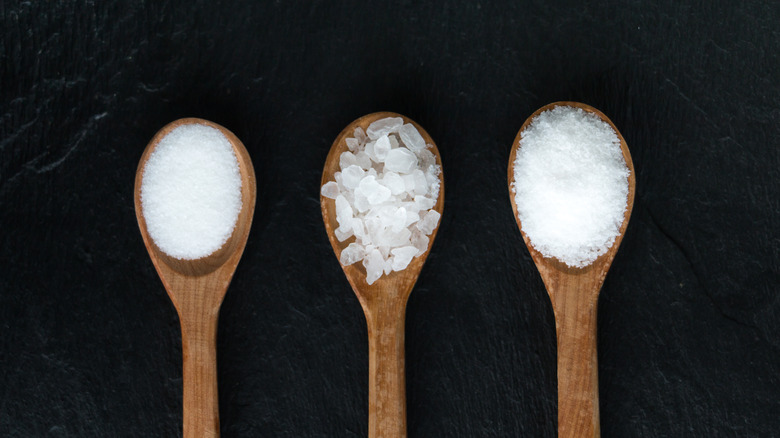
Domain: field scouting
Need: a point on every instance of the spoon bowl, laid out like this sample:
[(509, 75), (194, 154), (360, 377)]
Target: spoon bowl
[(197, 288), (383, 302), (574, 296)]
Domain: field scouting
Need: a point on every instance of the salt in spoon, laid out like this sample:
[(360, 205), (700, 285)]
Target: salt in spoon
[(574, 295), (384, 302), (197, 288)]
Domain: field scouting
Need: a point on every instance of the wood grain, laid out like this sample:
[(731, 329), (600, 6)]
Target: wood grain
[(384, 302), (574, 296), (197, 288)]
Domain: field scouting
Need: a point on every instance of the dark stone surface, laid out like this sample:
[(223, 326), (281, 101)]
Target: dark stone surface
[(689, 315)]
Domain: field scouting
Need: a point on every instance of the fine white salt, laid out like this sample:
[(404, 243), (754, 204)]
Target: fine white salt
[(385, 194), (191, 192), (571, 185)]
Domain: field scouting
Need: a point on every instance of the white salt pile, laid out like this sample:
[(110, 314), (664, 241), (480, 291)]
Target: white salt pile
[(571, 185), (385, 193), (191, 192)]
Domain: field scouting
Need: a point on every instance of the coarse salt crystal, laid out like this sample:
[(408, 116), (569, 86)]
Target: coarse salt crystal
[(394, 182), (419, 241), (382, 147), (423, 202), (360, 135), (352, 253), (374, 264), (375, 193), (401, 160), (351, 176), (402, 256), (420, 183), (352, 144), (347, 159), (429, 222), (342, 233), (330, 190), (363, 160), (344, 213), (383, 127), (411, 137)]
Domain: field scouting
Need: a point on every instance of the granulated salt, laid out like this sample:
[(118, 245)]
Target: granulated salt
[(385, 194), (571, 185), (191, 192)]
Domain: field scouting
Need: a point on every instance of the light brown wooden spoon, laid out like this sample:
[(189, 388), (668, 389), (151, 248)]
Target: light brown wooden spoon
[(574, 295), (384, 302), (197, 288)]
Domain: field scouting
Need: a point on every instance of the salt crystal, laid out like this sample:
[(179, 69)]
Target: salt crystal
[(373, 228), (571, 185), (374, 192), (344, 213), (399, 220), (401, 238), (394, 182), (383, 127), (330, 190), (370, 151), (361, 202), (343, 233), (352, 253), (411, 206), (429, 222), (381, 148), (363, 160), (411, 217), (358, 228), (411, 137), (384, 213), (351, 176), (352, 144), (347, 159), (374, 264), (420, 183), (381, 236), (427, 158), (432, 178), (360, 135), (402, 256), (401, 160), (420, 241), (191, 192), (424, 202)]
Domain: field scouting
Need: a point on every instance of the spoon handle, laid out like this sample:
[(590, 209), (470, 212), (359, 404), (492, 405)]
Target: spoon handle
[(578, 385), (199, 347), (386, 378)]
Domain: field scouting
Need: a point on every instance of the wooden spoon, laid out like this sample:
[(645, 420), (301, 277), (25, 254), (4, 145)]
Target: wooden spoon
[(197, 288), (574, 294), (384, 302)]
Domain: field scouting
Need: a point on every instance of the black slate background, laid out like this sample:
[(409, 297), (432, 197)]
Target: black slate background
[(689, 315)]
